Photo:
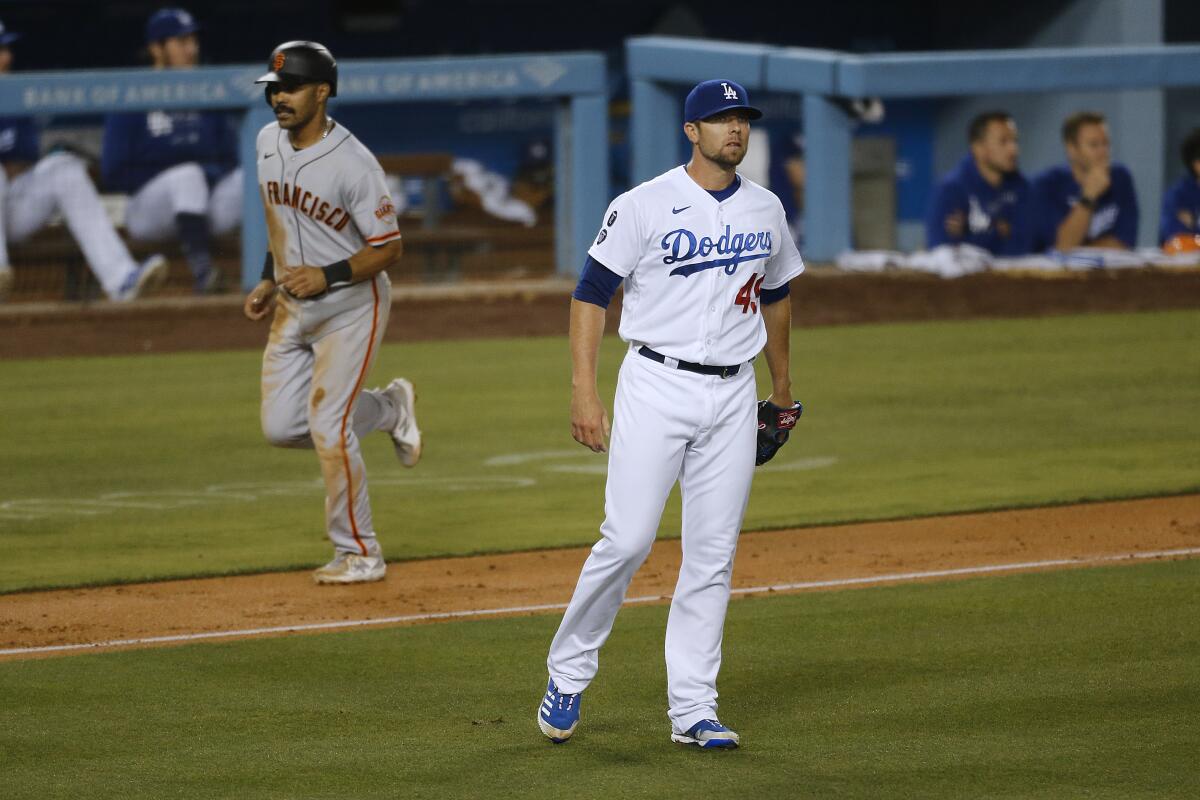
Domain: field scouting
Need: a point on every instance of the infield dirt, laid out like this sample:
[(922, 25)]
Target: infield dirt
[(868, 554), (847, 552)]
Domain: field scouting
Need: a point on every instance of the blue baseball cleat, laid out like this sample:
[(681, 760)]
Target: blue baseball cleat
[(707, 733), (559, 713), (142, 279)]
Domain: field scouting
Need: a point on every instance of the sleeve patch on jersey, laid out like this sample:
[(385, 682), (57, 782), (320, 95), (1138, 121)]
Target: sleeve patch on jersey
[(612, 218), (603, 235), (385, 209)]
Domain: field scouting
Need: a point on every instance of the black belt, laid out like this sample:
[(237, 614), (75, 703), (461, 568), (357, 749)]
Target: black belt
[(703, 369)]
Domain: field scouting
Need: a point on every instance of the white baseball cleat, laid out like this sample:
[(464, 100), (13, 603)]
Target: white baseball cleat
[(406, 437), (143, 279), (352, 568)]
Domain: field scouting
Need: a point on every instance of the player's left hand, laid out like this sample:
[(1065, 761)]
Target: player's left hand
[(303, 281), (775, 424)]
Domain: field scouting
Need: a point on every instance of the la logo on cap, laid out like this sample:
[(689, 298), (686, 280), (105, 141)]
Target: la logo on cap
[(730, 92)]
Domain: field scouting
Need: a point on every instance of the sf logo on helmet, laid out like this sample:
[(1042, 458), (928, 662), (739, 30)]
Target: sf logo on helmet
[(278, 63)]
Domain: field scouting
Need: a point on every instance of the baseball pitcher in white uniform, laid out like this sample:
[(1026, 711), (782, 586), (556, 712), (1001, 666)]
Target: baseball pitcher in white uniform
[(705, 257), (332, 231)]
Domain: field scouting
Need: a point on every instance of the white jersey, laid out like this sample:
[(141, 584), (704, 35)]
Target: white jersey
[(323, 203), (694, 267)]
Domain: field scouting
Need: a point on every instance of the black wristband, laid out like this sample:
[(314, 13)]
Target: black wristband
[(1087, 202), (338, 272), (268, 270)]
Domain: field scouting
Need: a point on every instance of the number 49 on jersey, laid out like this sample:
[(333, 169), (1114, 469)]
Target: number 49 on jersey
[(747, 296)]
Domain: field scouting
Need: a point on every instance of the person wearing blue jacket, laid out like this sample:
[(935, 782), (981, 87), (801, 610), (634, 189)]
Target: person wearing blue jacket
[(180, 168), (1181, 203), (1089, 201), (985, 201), (33, 189)]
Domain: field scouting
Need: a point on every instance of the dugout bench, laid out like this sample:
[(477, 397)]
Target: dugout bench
[(448, 241)]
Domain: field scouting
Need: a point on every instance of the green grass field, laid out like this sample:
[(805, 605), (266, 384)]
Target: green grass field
[(150, 467), (1055, 685), (1074, 684)]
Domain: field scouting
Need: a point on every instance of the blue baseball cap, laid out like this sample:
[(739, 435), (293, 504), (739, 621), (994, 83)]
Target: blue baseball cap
[(715, 96), (169, 22), (7, 37)]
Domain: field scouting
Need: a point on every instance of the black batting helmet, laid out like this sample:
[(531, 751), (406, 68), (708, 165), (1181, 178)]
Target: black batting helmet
[(301, 62)]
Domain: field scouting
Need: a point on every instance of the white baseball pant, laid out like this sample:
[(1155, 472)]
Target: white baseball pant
[(60, 183), (318, 354), (183, 189), (668, 425)]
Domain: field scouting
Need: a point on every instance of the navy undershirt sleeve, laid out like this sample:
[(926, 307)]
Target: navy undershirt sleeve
[(774, 295), (597, 284)]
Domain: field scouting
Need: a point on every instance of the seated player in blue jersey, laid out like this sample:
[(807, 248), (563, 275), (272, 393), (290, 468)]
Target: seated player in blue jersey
[(985, 200), (33, 189), (1181, 203), (180, 167), (1089, 201)]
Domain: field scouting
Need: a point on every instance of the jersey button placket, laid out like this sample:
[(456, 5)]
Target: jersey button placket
[(714, 291), (710, 320)]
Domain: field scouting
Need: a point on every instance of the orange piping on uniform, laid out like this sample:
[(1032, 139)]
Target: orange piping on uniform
[(383, 238), (362, 376)]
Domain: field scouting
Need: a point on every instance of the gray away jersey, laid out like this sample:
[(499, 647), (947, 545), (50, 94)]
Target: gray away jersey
[(323, 203)]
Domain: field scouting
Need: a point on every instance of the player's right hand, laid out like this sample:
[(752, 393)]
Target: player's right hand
[(1096, 181), (589, 421), (260, 302), (955, 224)]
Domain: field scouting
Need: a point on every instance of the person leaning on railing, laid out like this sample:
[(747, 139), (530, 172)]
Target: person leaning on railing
[(1179, 228), (1089, 201), (985, 200)]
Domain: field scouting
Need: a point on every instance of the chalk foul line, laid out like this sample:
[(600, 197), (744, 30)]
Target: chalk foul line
[(896, 577)]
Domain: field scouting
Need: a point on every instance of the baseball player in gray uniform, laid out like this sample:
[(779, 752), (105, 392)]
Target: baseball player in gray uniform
[(332, 230), (705, 256)]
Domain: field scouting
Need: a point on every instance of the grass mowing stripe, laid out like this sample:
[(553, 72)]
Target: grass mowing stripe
[(1046, 685), (164, 473)]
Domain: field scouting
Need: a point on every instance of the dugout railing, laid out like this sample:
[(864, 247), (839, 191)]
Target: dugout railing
[(577, 81), (660, 68)]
